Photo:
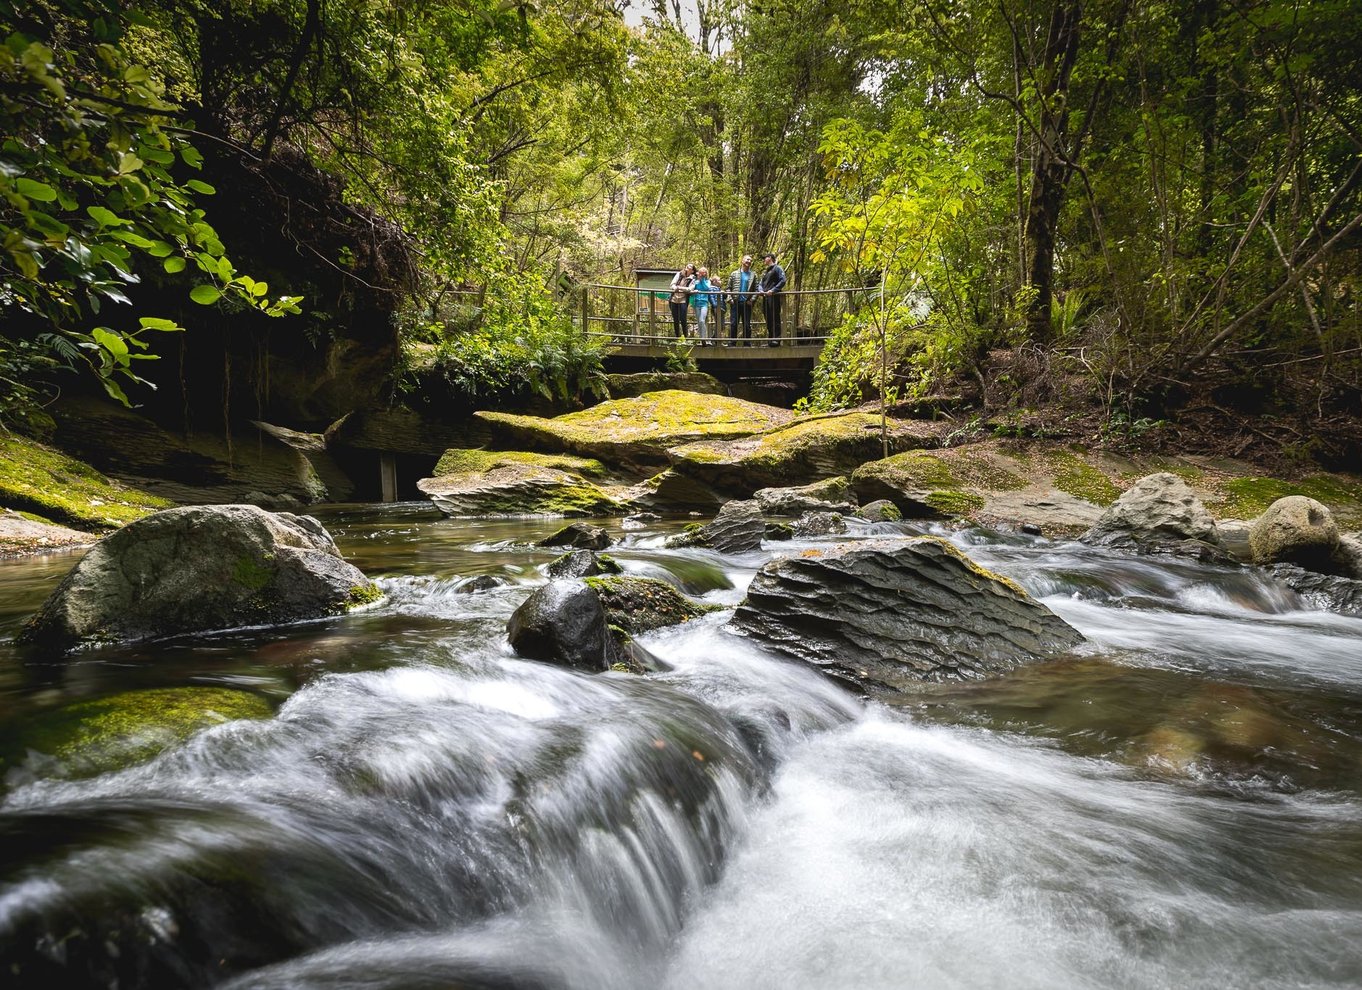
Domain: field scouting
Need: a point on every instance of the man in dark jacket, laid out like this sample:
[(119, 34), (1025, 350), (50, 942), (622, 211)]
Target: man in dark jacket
[(772, 286), (741, 290)]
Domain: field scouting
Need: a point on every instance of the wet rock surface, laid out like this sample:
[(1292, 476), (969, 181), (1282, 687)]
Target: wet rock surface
[(563, 623), (196, 569), (737, 528), (832, 495), (581, 536), (580, 563), (888, 616), (640, 604)]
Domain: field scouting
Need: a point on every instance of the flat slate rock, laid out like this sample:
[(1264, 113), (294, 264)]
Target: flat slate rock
[(739, 527), (888, 615)]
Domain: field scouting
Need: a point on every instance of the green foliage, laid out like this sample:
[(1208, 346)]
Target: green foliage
[(525, 346), (93, 200)]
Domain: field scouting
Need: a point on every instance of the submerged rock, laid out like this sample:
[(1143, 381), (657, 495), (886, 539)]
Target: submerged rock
[(888, 615), (1158, 514), (1328, 592), (478, 583), (737, 528), (1296, 530), (195, 569), (92, 737), (582, 536)]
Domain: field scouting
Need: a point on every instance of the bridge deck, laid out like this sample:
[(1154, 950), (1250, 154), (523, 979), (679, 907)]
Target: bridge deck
[(744, 352)]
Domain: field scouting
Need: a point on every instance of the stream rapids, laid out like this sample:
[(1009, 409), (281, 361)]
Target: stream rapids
[(1179, 803)]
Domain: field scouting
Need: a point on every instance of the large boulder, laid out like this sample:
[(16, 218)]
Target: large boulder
[(564, 623), (636, 432), (1296, 530), (889, 615), (517, 483), (808, 449), (1158, 514), (829, 495), (737, 528), (199, 568)]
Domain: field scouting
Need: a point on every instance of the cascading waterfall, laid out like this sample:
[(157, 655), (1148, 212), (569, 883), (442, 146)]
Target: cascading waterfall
[(1180, 804)]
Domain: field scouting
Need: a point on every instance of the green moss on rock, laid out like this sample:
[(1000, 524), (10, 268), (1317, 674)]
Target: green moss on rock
[(1248, 498), (955, 503), (638, 430), (470, 461), (363, 594), (1078, 478), (639, 604), (92, 737), (38, 479)]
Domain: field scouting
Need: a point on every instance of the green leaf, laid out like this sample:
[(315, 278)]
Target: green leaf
[(128, 162), (111, 342), (205, 295), (105, 217), (158, 323), (191, 156), (160, 249), (200, 187), (39, 191), (173, 265)]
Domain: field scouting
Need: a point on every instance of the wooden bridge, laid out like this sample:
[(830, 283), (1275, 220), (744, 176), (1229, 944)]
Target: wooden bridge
[(637, 322)]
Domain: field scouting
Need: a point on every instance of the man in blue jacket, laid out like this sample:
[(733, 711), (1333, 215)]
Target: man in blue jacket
[(772, 286), (741, 289)]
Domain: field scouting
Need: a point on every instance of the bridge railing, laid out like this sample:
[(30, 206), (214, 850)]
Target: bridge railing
[(631, 314)]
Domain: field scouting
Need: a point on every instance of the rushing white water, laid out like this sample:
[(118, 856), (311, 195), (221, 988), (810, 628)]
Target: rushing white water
[(1180, 807)]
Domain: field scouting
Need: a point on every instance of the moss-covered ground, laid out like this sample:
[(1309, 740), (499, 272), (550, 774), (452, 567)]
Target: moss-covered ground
[(37, 479)]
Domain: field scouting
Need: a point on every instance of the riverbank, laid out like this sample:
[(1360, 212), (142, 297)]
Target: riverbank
[(688, 452)]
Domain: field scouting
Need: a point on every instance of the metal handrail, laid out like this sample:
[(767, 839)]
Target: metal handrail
[(633, 338)]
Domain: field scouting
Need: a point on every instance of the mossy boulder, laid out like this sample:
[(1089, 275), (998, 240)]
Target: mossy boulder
[(636, 432), (1297, 530), (92, 737), (35, 478), (809, 449), (641, 604), (921, 485), (195, 569), (632, 386), (581, 563), (516, 483), (885, 616)]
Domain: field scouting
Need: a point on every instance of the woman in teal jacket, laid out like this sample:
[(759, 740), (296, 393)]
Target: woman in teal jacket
[(703, 297)]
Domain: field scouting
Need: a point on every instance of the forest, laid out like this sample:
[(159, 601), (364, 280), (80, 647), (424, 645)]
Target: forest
[(1120, 213)]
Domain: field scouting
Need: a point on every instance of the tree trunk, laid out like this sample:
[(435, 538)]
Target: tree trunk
[(1051, 170)]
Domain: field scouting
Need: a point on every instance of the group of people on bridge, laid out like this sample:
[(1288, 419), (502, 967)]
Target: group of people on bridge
[(692, 289)]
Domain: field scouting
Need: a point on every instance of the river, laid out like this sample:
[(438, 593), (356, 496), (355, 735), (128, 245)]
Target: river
[(1178, 804)]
